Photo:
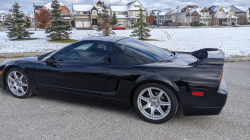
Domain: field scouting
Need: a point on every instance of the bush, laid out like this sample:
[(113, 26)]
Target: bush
[(233, 23), (196, 24), (201, 24)]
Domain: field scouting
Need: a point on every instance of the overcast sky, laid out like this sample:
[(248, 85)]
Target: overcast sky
[(27, 5)]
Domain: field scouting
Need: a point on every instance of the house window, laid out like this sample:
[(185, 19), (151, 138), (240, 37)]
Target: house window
[(85, 13), (78, 12), (123, 13), (94, 12), (136, 5), (131, 21), (94, 21), (66, 12)]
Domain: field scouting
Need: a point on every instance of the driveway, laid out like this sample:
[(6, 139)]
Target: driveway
[(40, 117)]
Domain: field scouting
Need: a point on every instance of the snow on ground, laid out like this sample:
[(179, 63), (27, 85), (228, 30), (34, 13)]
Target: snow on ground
[(233, 41)]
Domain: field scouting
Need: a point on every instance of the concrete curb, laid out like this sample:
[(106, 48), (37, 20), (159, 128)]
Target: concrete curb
[(17, 55), (237, 59)]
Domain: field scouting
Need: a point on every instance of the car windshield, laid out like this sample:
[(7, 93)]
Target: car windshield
[(132, 51)]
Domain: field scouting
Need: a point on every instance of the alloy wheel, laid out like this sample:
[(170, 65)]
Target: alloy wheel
[(17, 83), (154, 103)]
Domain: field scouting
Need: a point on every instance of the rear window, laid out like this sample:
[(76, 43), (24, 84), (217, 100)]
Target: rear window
[(134, 52)]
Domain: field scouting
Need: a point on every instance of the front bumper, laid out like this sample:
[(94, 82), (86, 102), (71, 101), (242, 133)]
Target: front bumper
[(216, 103), (1, 81)]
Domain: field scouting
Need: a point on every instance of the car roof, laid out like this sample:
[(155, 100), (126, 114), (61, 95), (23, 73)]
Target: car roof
[(105, 38)]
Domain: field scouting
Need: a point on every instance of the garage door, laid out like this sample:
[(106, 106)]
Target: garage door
[(207, 22), (125, 24), (86, 24), (79, 24)]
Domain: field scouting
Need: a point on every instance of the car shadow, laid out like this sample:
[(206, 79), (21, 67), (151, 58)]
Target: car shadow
[(127, 112)]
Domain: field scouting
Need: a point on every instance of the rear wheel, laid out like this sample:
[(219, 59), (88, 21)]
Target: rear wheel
[(155, 103), (18, 83)]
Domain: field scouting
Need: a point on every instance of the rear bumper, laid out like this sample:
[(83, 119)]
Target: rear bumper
[(216, 103)]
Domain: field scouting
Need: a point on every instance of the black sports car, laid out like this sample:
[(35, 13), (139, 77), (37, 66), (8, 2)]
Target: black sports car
[(124, 71)]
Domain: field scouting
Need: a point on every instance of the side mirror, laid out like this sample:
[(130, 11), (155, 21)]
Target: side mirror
[(49, 61)]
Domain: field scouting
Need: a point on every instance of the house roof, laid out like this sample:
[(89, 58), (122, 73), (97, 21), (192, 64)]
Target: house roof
[(190, 7), (48, 5), (119, 8), (201, 9), (214, 8), (175, 11), (129, 5), (123, 7), (38, 7), (240, 9), (162, 13), (82, 7)]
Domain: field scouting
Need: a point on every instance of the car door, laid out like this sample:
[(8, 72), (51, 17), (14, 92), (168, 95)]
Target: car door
[(79, 71)]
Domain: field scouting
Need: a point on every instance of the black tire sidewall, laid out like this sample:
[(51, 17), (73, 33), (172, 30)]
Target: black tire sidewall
[(170, 93), (28, 83)]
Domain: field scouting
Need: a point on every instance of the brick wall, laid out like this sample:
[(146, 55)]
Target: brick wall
[(64, 9)]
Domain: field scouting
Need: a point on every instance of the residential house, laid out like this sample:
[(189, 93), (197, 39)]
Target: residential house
[(3, 17), (168, 15), (128, 14), (165, 16), (85, 16), (174, 15), (241, 12), (65, 11), (188, 14), (222, 16), (205, 18)]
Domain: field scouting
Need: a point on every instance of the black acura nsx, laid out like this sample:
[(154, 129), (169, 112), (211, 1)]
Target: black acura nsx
[(126, 72)]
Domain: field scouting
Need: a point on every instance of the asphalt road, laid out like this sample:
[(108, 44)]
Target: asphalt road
[(40, 117)]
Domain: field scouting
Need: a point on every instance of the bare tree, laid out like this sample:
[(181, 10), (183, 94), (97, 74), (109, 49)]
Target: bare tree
[(242, 19)]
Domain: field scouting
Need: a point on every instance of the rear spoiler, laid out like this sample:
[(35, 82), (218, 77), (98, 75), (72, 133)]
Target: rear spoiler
[(208, 56)]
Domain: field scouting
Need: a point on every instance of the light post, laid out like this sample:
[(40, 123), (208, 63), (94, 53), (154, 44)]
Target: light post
[(158, 19), (34, 14), (177, 16)]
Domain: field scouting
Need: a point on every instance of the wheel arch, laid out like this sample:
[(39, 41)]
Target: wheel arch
[(175, 89), (6, 70)]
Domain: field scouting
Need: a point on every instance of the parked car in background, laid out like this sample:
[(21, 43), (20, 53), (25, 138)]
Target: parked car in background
[(118, 27)]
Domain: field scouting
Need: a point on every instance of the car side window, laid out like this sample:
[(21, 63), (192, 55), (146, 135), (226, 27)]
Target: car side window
[(84, 52)]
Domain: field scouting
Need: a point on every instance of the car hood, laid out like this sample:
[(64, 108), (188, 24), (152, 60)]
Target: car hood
[(20, 60)]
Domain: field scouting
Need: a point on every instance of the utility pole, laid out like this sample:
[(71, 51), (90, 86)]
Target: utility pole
[(158, 19), (34, 14), (177, 13)]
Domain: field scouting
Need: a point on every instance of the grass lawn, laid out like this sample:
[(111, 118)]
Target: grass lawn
[(148, 40), (64, 41), (23, 39)]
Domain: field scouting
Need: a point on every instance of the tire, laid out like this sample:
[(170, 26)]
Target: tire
[(165, 105), (14, 82)]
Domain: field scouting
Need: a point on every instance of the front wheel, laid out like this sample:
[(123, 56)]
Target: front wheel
[(18, 83), (155, 103)]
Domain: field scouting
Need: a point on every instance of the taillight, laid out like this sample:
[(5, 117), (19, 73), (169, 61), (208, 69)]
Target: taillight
[(221, 75)]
